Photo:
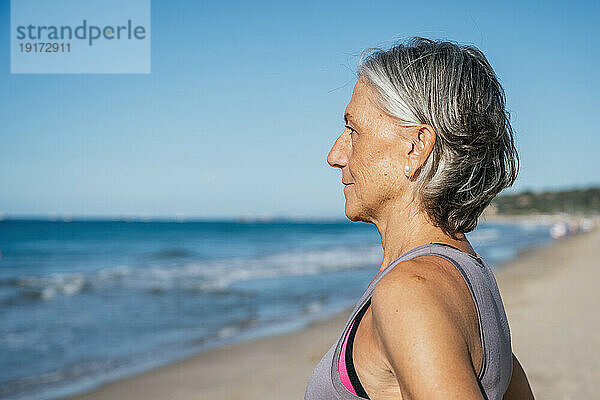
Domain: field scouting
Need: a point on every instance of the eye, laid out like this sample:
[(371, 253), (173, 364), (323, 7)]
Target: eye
[(351, 129)]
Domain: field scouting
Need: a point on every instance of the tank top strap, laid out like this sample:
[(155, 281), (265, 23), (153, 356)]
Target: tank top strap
[(421, 250), (424, 249)]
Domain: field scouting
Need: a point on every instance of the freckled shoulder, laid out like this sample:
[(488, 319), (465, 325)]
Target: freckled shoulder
[(425, 281)]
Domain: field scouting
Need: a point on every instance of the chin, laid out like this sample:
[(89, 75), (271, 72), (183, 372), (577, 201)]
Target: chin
[(354, 215), (349, 212)]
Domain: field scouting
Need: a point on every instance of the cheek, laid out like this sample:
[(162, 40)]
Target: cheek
[(378, 172), (387, 175)]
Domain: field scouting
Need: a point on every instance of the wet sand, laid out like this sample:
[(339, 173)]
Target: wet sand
[(551, 298)]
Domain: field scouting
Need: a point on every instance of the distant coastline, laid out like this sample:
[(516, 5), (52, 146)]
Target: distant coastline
[(574, 202)]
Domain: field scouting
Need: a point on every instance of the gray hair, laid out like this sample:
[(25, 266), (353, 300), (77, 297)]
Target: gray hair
[(453, 89)]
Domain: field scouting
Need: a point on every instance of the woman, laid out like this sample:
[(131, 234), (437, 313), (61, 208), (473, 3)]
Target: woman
[(427, 145)]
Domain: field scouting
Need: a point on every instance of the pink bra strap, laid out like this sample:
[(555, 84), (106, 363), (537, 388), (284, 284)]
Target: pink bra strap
[(342, 370)]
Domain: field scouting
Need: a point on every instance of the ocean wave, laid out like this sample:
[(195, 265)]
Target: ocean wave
[(210, 276), (48, 287), (237, 327), (223, 275)]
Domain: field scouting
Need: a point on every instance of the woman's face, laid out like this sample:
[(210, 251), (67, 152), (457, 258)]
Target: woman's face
[(372, 155)]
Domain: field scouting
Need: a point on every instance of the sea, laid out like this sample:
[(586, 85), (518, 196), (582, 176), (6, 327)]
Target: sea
[(84, 302)]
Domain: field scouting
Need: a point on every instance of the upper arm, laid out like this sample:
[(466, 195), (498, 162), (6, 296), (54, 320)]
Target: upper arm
[(519, 388), (419, 334)]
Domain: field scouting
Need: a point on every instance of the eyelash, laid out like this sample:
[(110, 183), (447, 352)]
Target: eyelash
[(351, 130)]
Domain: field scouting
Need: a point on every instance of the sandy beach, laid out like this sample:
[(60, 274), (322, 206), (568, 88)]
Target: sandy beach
[(551, 299)]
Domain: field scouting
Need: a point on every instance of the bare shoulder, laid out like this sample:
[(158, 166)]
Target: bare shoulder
[(424, 281), (420, 311)]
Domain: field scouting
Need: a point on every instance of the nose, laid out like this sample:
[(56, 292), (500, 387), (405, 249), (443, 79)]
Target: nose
[(338, 155)]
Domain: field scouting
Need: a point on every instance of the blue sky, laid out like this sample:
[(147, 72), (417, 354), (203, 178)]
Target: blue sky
[(245, 100)]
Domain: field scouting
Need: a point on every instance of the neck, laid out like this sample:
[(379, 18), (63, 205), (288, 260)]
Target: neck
[(404, 229)]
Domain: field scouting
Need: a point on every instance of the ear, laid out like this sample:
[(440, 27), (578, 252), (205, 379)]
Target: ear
[(422, 145)]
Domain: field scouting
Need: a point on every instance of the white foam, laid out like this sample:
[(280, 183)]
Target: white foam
[(206, 275), (227, 331)]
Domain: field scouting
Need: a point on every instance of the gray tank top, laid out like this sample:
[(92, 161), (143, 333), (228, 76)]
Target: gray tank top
[(325, 382)]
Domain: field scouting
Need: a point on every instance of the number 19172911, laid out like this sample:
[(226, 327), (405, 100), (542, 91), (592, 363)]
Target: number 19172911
[(41, 47)]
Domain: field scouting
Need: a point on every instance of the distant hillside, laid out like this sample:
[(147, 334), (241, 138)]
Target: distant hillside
[(584, 201)]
